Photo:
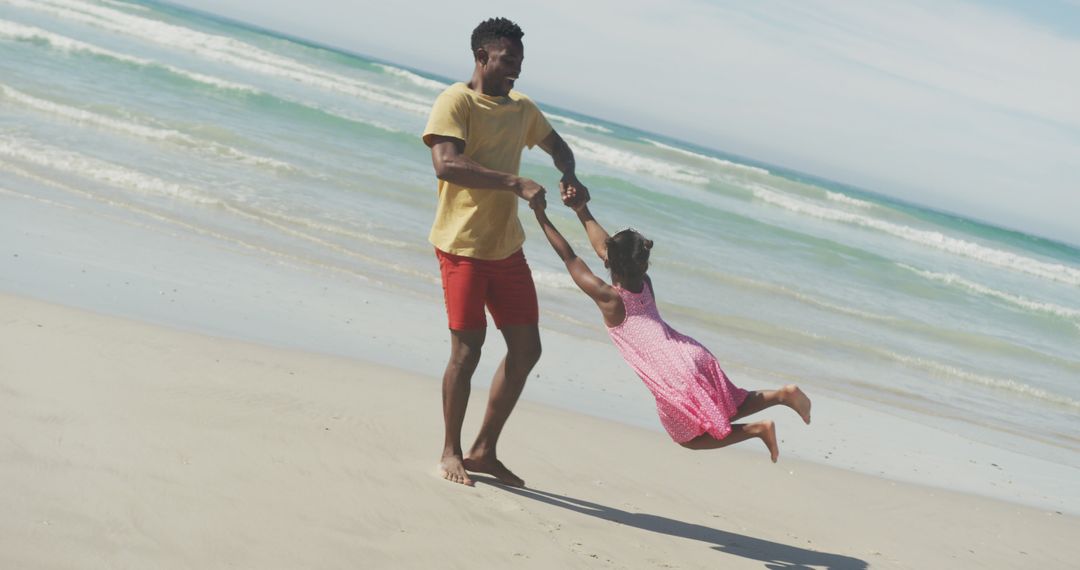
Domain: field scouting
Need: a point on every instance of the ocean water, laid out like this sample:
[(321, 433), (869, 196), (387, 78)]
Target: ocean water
[(293, 153)]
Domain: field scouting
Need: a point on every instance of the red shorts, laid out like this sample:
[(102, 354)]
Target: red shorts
[(504, 285)]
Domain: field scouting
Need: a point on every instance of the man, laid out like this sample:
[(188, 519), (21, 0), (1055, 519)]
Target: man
[(476, 132)]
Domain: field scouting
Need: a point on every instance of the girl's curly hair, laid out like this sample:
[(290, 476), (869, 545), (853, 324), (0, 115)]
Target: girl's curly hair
[(628, 254)]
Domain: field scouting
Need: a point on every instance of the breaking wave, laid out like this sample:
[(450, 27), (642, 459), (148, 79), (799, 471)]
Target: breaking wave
[(629, 161), (225, 50), (718, 161), (937, 240)]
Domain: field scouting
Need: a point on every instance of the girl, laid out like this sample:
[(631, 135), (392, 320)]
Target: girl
[(694, 398)]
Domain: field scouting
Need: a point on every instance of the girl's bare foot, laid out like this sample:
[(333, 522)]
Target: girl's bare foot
[(766, 430), (795, 399), (488, 464), (452, 469)]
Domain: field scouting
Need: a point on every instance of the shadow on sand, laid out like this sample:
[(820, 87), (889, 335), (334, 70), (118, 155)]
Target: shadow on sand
[(773, 554)]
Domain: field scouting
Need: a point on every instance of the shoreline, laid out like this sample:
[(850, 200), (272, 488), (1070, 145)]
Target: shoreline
[(100, 258), (143, 444)]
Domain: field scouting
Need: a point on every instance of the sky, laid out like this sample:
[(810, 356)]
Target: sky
[(968, 107)]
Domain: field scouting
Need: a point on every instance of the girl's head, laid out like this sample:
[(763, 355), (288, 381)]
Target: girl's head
[(628, 255)]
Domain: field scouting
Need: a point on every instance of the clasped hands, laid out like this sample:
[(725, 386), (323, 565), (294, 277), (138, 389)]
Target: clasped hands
[(573, 193)]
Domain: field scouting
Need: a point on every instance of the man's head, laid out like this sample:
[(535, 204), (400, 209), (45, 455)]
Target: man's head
[(498, 51)]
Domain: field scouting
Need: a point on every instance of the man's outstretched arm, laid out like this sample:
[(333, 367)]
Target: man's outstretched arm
[(451, 164), (572, 190)]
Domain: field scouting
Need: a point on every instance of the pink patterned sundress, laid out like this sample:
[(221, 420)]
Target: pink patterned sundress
[(693, 395)]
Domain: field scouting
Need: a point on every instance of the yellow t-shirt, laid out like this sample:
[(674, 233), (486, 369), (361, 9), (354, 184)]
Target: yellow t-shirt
[(483, 223)]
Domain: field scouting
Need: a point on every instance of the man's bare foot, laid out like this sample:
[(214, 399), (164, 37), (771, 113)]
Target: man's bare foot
[(795, 399), (766, 430), (494, 467), (452, 469)]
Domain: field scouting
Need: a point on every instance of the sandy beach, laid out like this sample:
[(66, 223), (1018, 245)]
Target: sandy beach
[(129, 445), (223, 330)]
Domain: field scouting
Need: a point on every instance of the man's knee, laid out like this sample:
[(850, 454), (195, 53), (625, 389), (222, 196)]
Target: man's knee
[(465, 349), (466, 357), (535, 349), (523, 344), (527, 351)]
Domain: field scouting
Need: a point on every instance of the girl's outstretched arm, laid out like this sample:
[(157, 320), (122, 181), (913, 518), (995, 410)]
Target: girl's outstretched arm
[(598, 236), (604, 295)]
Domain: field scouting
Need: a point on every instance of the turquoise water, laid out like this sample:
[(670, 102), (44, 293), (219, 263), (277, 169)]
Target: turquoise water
[(295, 152)]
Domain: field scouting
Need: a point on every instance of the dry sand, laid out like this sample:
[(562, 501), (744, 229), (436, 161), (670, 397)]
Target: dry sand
[(127, 445)]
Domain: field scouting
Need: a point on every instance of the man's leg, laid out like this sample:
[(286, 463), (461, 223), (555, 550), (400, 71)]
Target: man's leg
[(457, 382), (522, 353)]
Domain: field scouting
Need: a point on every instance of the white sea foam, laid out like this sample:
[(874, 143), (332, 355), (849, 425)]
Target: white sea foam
[(125, 5), (413, 78), (13, 31), (1017, 300), (272, 221), (329, 228), (86, 117), (1004, 259), (350, 117), (576, 123), (225, 50), (1007, 384), (718, 161), (775, 288), (843, 309), (47, 156), (814, 301), (261, 217), (629, 161), (561, 281), (844, 199), (215, 234)]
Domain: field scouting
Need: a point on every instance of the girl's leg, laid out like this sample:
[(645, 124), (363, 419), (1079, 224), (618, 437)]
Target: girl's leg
[(790, 396), (765, 430)]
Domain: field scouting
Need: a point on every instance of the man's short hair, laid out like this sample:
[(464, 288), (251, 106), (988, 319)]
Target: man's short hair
[(494, 28)]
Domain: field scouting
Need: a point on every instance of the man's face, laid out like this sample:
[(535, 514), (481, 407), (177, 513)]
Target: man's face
[(502, 66)]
